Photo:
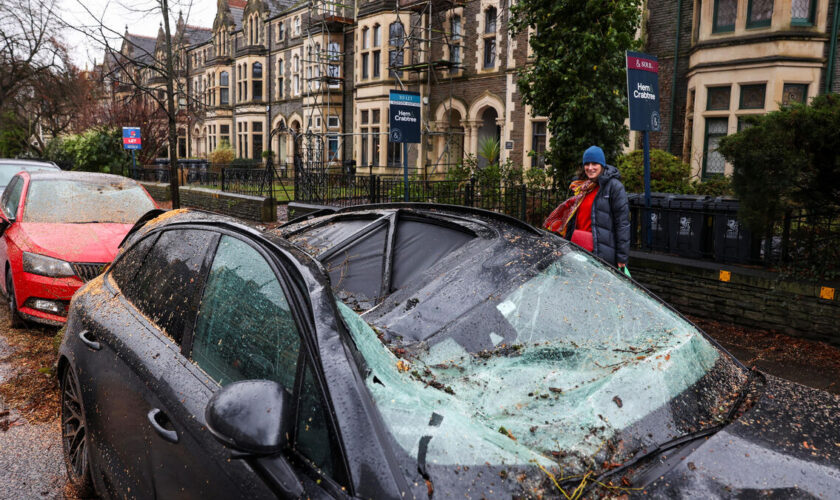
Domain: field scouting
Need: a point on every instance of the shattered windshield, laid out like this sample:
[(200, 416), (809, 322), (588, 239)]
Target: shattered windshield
[(76, 201), (585, 369)]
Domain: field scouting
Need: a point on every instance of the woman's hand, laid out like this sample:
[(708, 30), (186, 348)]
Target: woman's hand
[(621, 265)]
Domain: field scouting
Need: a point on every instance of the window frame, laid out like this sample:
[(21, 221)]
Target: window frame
[(256, 81), (487, 19), (224, 89), (802, 21), (750, 86), (704, 174), (723, 28), (709, 100), (134, 309), (538, 157), (803, 86), (489, 40), (764, 23), (284, 286)]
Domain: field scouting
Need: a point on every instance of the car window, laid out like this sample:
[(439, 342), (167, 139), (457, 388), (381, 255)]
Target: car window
[(11, 197), (105, 199), (419, 245), (357, 269), (126, 266), (165, 283), (245, 329), (355, 252), (7, 170), (314, 437)]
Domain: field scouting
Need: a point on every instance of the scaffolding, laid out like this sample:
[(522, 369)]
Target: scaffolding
[(427, 35), (323, 67)]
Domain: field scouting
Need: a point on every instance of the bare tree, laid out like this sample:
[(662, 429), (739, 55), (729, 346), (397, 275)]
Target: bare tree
[(29, 44), (134, 65), (36, 77)]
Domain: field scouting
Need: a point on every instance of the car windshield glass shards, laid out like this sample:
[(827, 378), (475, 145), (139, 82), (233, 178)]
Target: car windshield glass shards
[(8, 170), (78, 201), (584, 369)]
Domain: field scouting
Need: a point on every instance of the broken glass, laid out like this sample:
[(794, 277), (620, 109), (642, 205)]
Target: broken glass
[(577, 355), (321, 238)]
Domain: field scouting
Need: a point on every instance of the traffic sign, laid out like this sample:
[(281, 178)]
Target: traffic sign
[(643, 91), (131, 138)]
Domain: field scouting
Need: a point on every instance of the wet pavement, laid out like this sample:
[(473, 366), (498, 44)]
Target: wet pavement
[(31, 463), (807, 362)]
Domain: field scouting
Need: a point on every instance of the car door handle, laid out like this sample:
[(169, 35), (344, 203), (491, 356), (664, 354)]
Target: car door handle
[(155, 417), (89, 341)]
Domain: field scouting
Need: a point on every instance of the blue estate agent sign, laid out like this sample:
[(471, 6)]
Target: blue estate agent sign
[(131, 138), (404, 117), (643, 91)]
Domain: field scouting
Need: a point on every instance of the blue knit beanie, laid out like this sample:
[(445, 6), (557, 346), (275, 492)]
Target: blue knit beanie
[(594, 155)]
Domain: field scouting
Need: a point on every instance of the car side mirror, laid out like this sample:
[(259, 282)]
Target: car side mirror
[(4, 224), (249, 416)]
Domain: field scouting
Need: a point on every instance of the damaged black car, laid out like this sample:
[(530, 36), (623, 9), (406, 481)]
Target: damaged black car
[(411, 351)]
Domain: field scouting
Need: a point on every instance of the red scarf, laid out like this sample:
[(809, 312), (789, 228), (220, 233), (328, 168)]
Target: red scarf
[(559, 219)]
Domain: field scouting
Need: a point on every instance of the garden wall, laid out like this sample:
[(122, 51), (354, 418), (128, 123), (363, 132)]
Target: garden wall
[(748, 297), (256, 208)]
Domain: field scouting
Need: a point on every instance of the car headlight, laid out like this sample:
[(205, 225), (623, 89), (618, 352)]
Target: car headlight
[(46, 266)]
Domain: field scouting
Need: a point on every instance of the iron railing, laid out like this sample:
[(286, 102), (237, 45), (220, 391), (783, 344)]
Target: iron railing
[(803, 244)]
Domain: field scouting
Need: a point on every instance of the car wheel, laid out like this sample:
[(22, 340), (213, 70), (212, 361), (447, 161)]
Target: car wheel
[(15, 321), (74, 435)]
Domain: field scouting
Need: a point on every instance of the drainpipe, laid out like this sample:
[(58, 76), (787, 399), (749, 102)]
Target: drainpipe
[(829, 74), (268, 94), (674, 80)]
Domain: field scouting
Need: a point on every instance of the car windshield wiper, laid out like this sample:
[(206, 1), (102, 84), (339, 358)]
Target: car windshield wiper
[(686, 438)]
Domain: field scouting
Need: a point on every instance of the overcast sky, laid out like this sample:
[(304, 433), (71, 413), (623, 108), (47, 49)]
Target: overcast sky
[(116, 14)]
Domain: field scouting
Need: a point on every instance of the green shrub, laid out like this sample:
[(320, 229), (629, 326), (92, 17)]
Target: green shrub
[(715, 186), (95, 150), (223, 155), (57, 152), (787, 159), (537, 177), (668, 174), (245, 163)]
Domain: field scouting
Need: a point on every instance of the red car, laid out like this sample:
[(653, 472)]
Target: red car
[(59, 230)]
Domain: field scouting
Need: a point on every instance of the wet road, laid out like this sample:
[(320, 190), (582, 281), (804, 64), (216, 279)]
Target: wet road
[(31, 463)]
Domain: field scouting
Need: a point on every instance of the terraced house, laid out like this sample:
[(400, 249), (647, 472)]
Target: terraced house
[(311, 80), (722, 60)]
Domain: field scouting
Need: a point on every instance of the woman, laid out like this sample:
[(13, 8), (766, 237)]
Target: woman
[(597, 217)]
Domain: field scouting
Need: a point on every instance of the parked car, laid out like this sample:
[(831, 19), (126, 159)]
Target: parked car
[(10, 166), (411, 351), (59, 230)]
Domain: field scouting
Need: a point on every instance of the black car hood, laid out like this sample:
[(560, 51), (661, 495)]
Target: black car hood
[(787, 444)]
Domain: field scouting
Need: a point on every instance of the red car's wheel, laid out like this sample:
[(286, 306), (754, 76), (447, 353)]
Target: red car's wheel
[(15, 320)]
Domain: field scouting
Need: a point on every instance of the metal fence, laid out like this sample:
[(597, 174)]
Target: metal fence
[(802, 244), (272, 181)]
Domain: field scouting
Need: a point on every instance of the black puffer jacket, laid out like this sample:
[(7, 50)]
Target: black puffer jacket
[(610, 218)]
